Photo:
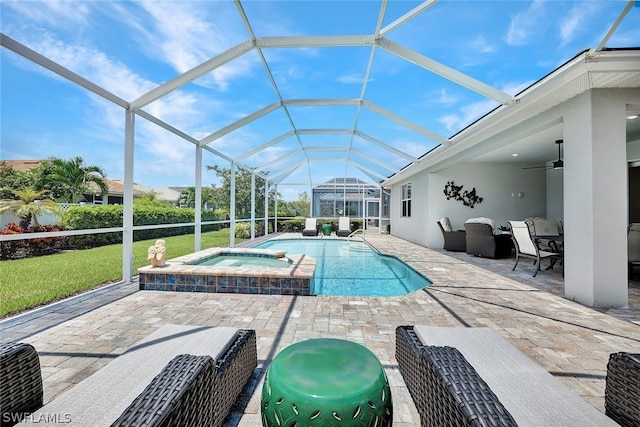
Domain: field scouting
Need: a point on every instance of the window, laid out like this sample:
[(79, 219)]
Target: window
[(406, 199)]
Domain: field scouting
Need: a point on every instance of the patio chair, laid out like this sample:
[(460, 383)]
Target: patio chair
[(344, 227), (310, 227), (474, 377), (162, 377), (482, 241), (633, 246), (622, 387), (527, 248), (454, 240), (547, 228), (21, 389)]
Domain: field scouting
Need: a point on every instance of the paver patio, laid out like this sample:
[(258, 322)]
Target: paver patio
[(571, 341)]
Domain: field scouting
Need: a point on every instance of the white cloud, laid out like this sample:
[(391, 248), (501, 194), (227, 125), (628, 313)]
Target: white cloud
[(178, 29), (467, 114), (351, 79), (91, 64), (526, 24), (446, 99), (575, 20), (56, 13), (481, 45)]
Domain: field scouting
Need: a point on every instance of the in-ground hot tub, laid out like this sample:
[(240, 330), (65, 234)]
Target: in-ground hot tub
[(233, 270)]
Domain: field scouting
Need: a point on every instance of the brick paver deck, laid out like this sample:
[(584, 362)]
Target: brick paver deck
[(573, 342)]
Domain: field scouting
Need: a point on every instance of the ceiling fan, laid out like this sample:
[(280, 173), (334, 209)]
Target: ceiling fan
[(558, 164)]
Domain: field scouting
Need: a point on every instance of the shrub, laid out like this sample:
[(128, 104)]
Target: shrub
[(90, 217), (243, 230), (14, 249)]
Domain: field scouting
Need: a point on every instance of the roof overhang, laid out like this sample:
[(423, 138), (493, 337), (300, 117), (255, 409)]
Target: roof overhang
[(606, 69)]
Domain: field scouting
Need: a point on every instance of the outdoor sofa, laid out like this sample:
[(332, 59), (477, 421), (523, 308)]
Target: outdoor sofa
[(177, 376), (474, 377)]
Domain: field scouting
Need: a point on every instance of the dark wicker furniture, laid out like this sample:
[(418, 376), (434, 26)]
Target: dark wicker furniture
[(20, 381), (446, 389), (195, 390), (483, 243), (622, 391), (455, 241), (107, 394), (463, 389), (179, 396)]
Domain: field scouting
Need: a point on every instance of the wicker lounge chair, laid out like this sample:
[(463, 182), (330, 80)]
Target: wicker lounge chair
[(454, 240), (311, 227), (148, 385), (622, 391), (474, 377), (20, 382), (344, 227)]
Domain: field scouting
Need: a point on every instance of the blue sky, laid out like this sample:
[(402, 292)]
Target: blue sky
[(130, 47)]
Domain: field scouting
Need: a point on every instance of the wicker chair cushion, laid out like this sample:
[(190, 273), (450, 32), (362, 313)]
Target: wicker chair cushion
[(180, 395), (446, 224), (127, 376), (531, 394), (482, 220)]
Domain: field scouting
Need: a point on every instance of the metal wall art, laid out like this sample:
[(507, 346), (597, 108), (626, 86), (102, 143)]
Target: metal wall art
[(468, 198)]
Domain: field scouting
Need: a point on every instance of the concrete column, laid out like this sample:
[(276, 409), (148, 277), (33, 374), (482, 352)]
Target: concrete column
[(595, 200)]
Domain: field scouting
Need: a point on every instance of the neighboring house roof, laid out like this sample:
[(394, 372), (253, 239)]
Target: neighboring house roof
[(170, 194), (115, 188), (20, 165)]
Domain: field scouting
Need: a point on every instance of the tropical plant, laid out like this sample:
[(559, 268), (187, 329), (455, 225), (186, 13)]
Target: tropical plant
[(242, 193), (187, 197), (28, 205), (74, 178), (151, 199)]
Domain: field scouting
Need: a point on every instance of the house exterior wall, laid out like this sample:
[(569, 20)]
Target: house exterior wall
[(590, 194), (494, 182), (414, 228)]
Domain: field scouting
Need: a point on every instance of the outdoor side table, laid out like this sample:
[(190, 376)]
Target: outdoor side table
[(326, 382), (327, 229)]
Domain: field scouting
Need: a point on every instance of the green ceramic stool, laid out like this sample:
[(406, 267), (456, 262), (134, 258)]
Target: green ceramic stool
[(326, 382)]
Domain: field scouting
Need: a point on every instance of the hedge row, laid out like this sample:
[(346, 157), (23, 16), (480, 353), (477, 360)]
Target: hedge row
[(13, 249), (90, 217)]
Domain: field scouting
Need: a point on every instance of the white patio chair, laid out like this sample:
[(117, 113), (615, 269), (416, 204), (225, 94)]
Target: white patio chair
[(310, 227), (344, 226), (527, 248)]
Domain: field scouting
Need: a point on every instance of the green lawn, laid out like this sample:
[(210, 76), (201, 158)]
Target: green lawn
[(31, 282)]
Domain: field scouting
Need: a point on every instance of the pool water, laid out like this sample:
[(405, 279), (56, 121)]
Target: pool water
[(352, 268), (244, 261)]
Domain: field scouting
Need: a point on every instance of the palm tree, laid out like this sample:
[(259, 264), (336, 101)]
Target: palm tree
[(74, 177), (28, 206)]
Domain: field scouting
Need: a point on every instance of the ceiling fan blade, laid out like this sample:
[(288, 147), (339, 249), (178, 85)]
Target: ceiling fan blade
[(535, 167)]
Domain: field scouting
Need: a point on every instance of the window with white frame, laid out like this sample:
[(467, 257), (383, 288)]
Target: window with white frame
[(406, 199)]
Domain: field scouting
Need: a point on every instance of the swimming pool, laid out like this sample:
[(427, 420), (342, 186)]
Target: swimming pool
[(352, 268)]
